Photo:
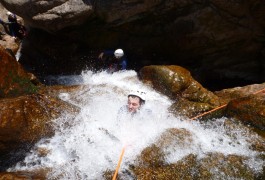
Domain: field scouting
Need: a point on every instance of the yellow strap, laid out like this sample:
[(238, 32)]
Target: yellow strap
[(119, 163)]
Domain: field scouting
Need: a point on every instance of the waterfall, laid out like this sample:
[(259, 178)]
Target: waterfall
[(18, 54), (86, 145)]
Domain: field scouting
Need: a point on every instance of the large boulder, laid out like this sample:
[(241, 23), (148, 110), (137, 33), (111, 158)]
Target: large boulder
[(14, 80), (24, 121), (51, 15), (28, 118), (176, 82)]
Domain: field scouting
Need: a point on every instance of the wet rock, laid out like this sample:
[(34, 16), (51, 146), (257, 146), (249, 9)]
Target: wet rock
[(17, 176), (154, 155), (26, 119), (51, 15), (250, 110), (20, 176), (65, 93), (180, 170), (178, 137), (219, 166), (212, 166), (109, 174), (238, 92), (2, 16), (176, 82), (245, 103), (152, 163), (9, 43), (14, 80), (42, 152), (256, 138), (151, 156)]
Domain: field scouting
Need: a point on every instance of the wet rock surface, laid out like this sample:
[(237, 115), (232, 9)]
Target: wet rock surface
[(151, 164), (27, 119), (51, 15), (14, 80), (245, 104), (250, 110), (20, 176), (176, 82), (27, 109)]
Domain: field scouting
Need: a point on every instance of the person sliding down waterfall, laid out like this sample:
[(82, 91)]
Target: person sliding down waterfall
[(113, 60), (135, 106)]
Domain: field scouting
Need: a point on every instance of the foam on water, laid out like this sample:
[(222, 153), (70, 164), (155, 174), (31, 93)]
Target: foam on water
[(88, 144)]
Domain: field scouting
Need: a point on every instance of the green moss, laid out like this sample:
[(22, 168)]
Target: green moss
[(22, 85)]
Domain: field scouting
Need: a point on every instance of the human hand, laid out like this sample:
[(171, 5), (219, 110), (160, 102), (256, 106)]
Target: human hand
[(15, 38), (101, 55)]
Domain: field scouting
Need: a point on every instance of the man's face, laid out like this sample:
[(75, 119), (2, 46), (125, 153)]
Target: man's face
[(133, 104), (118, 57)]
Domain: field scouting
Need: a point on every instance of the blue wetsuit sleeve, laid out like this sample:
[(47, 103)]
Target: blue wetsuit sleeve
[(124, 64)]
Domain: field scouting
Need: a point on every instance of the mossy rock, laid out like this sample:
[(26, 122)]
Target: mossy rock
[(14, 80)]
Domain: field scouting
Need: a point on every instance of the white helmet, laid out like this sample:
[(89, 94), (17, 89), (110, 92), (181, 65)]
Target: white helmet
[(139, 94), (118, 53), (9, 13)]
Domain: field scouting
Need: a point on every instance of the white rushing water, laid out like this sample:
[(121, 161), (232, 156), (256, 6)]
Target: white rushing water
[(89, 143)]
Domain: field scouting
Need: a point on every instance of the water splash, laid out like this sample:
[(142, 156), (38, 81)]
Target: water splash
[(86, 145)]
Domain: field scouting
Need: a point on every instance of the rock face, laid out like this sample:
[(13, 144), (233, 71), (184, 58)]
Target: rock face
[(177, 83), (20, 176), (245, 104), (240, 92), (14, 80), (26, 115), (250, 110), (51, 15), (216, 40), (27, 119), (2, 15)]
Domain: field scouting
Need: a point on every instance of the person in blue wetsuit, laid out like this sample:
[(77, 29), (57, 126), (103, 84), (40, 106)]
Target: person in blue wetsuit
[(114, 60), (13, 27)]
